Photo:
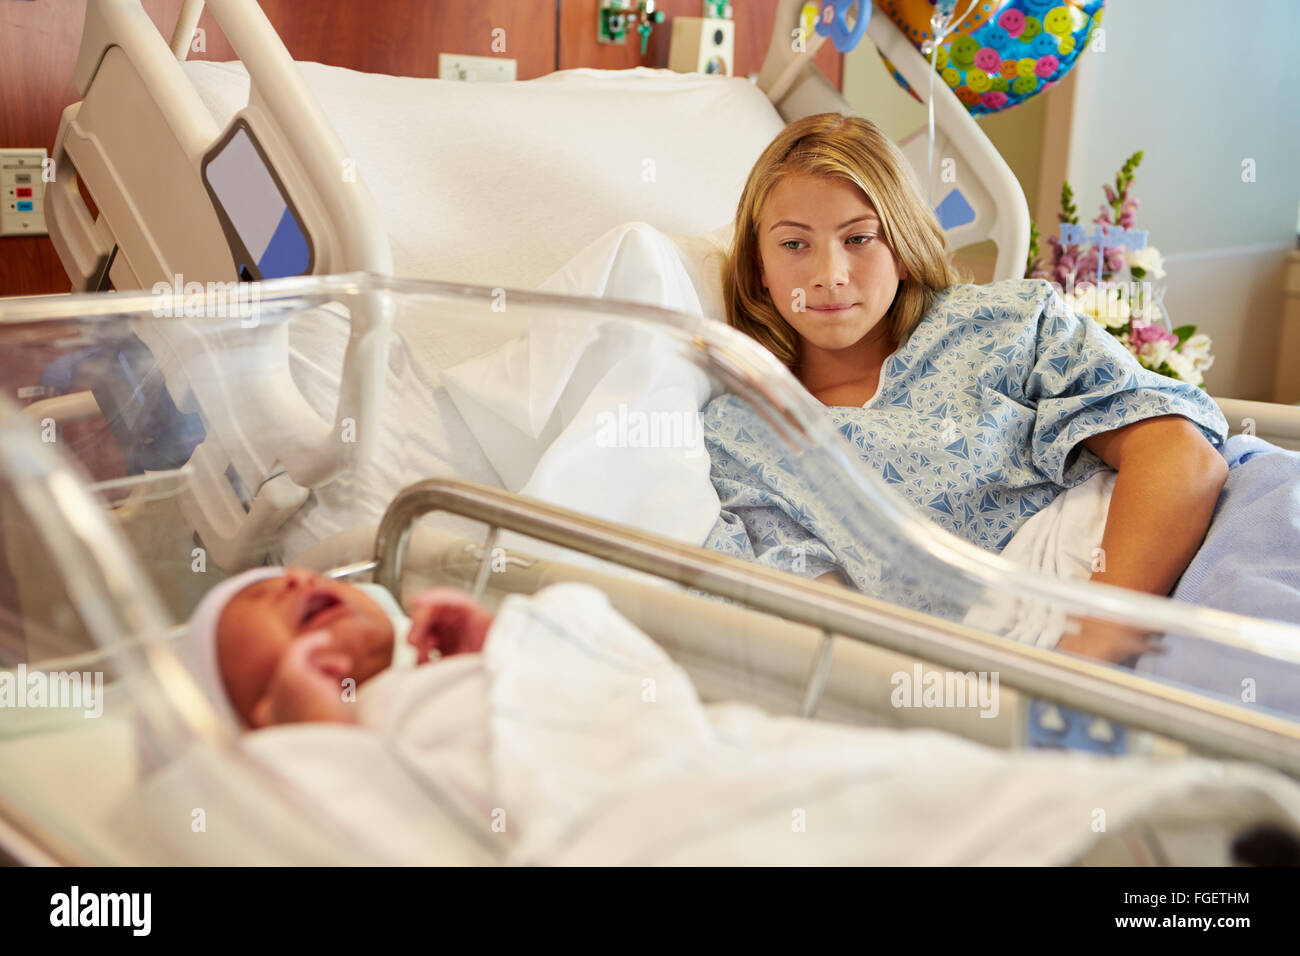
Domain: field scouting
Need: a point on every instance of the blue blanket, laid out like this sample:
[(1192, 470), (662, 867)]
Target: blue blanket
[(1248, 564)]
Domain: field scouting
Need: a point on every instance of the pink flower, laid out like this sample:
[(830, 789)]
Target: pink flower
[(1088, 263), (1110, 193), (1064, 265), (1128, 213), (1144, 332)]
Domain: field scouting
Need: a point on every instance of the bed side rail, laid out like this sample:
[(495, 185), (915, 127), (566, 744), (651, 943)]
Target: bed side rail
[(147, 149), (1206, 724), (1279, 424), (302, 146)]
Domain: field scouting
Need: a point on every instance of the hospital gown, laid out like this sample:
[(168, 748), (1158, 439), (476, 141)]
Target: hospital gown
[(977, 423)]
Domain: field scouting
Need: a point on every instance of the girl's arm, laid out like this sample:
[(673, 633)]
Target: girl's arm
[(1169, 481), (1168, 484)]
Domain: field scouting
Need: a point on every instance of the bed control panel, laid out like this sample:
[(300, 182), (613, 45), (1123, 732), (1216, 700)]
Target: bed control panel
[(22, 188), (1054, 727), (265, 231)]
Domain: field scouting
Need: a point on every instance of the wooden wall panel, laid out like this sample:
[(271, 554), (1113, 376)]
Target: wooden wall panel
[(400, 37), (38, 47), (754, 18)]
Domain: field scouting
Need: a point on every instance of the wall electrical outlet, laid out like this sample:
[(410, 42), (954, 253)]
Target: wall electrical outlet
[(476, 69), (22, 192)]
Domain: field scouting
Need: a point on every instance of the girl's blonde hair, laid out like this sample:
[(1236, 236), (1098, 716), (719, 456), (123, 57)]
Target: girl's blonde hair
[(855, 151)]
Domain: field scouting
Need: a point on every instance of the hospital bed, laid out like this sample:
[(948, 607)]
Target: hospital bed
[(286, 428), (196, 167)]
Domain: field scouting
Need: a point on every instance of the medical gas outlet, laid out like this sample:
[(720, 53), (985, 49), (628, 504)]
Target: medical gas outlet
[(22, 192)]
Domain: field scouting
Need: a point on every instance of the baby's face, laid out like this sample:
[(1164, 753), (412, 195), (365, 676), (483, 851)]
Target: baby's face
[(841, 257), (258, 626)]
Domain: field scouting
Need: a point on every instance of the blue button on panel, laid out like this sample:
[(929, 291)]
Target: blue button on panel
[(954, 211), (25, 206), (1060, 728)]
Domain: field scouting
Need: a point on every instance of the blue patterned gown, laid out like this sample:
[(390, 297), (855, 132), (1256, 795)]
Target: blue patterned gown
[(977, 422)]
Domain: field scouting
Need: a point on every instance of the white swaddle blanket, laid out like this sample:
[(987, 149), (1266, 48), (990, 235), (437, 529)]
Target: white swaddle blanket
[(574, 739)]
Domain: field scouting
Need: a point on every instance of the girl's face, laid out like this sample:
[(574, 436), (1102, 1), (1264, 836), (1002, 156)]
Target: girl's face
[(820, 246)]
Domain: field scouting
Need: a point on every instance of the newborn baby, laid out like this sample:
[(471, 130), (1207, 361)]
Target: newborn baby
[(571, 737), (280, 646)]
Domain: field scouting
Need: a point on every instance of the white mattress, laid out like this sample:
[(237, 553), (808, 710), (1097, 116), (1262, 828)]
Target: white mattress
[(501, 184)]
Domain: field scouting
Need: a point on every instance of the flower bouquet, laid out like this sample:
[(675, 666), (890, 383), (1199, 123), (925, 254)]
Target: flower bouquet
[(1106, 274)]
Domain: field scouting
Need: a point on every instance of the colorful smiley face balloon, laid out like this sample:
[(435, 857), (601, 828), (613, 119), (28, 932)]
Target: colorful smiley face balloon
[(1003, 51), (1044, 45), (988, 60), (1013, 21), (1057, 21), (961, 52)]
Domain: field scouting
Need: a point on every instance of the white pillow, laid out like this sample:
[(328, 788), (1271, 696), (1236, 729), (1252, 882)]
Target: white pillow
[(635, 262), (542, 405)]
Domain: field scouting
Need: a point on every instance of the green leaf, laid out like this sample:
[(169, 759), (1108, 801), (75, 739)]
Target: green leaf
[(1184, 332), (1068, 211), (1034, 249)]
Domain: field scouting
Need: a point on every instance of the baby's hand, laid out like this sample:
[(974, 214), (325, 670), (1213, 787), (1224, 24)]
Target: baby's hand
[(448, 621), (307, 685)]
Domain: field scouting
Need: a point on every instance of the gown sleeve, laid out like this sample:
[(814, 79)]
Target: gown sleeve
[(1083, 382)]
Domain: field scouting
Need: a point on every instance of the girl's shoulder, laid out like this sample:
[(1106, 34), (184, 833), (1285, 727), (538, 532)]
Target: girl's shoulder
[(1011, 304), (1006, 299)]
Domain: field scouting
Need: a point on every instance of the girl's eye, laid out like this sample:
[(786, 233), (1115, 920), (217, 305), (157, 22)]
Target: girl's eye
[(789, 243)]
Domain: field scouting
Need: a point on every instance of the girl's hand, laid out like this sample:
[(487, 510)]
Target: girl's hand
[(1107, 641), (307, 686)]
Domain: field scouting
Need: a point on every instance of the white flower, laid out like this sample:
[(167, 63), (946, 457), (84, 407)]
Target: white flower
[(1197, 348), (1148, 259), (1153, 353), (1081, 301), (1184, 368), (1110, 309)]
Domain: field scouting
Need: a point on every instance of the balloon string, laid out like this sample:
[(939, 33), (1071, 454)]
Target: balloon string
[(942, 30), (934, 61)]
